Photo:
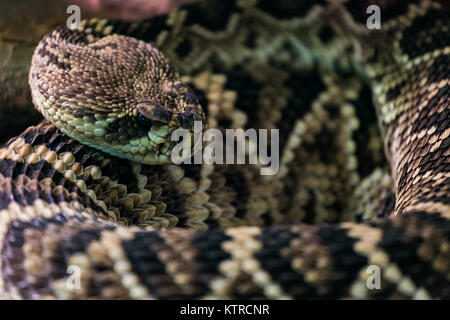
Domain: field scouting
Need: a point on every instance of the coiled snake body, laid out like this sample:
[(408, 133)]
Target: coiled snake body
[(91, 185)]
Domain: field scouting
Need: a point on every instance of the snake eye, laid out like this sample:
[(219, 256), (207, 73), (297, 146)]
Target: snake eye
[(152, 113), (144, 122)]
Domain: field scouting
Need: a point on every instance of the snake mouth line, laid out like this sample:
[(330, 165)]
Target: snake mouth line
[(154, 148), (144, 139)]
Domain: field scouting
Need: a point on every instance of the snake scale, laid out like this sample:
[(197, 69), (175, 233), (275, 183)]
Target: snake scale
[(90, 186)]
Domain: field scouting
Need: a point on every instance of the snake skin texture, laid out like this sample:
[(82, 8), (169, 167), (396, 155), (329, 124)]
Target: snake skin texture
[(364, 159)]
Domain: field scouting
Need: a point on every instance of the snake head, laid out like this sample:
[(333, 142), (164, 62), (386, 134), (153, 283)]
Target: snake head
[(113, 93)]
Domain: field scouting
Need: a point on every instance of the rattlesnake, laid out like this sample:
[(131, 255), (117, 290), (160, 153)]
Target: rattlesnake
[(136, 229)]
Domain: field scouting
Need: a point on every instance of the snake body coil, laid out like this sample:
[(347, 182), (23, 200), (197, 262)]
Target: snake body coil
[(91, 186)]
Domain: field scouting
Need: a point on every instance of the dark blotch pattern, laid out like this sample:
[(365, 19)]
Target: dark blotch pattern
[(423, 36)]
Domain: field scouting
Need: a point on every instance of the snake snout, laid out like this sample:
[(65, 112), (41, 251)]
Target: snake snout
[(189, 116)]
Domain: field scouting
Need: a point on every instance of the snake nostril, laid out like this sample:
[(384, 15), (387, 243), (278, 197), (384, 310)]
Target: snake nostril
[(190, 98), (185, 121), (188, 118)]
